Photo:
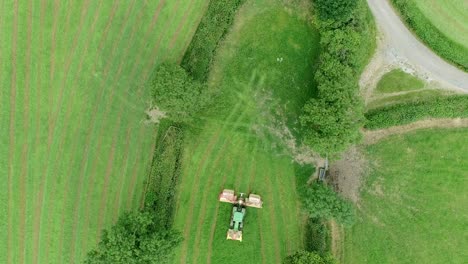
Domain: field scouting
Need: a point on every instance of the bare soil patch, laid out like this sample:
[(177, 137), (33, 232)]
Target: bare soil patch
[(346, 173)]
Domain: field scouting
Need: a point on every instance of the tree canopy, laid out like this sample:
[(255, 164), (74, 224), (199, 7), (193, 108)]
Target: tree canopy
[(306, 257), (135, 239), (177, 94), (321, 201), (334, 9)]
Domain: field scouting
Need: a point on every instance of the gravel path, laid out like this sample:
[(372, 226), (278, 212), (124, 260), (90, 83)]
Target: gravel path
[(398, 48)]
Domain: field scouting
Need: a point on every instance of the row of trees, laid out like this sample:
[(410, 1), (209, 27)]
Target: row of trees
[(331, 121)]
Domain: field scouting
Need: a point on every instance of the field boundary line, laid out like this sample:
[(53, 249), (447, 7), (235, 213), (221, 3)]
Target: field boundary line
[(215, 216), (203, 201), (88, 139)]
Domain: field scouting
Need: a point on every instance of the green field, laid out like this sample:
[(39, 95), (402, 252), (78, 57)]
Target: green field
[(225, 152), (413, 206), (74, 152), (450, 17), (398, 81)]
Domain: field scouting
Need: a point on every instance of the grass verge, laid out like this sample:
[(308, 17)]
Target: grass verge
[(423, 24), (398, 81)]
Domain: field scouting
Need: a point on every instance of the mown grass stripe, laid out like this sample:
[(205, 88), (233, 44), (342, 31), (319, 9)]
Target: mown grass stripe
[(10, 236)]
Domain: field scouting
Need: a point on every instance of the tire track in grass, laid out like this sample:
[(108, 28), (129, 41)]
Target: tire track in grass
[(204, 197), (12, 135), (215, 215), (52, 128), (207, 153), (115, 6), (65, 124), (192, 33), (273, 222), (25, 152), (52, 57), (188, 221), (285, 219), (133, 72), (41, 71), (181, 25), (91, 127)]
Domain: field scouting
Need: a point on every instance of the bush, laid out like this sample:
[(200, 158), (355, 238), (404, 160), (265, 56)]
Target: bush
[(334, 9), (429, 34), (135, 239), (211, 30), (405, 113), (331, 122), (320, 201), (317, 236), (306, 257), (177, 94)]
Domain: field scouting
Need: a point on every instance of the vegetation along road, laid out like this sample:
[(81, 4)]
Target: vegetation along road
[(399, 45)]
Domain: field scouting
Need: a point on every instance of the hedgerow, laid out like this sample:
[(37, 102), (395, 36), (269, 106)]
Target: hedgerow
[(433, 37), (211, 30), (163, 176), (405, 113), (330, 122)]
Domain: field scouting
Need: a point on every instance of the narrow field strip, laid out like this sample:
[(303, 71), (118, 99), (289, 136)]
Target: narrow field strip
[(75, 131), (52, 130), (215, 215), (10, 236), (203, 202), (273, 220), (25, 150)]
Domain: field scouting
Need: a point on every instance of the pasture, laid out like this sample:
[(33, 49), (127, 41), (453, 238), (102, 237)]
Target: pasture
[(269, 54), (74, 152), (413, 204)]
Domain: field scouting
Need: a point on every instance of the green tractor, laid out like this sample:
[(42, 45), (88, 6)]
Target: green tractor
[(238, 211)]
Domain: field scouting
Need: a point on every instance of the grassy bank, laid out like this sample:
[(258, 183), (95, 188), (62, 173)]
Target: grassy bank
[(413, 204), (398, 81)]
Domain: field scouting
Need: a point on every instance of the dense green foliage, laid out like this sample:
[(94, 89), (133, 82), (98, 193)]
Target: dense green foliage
[(336, 10), (433, 37), (413, 202), (177, 94), (163, 176), (212, 28), (320, 201), (405, 113), (306, 257), (146, 236), (136, 238), (331, 121), (317, 236), (397, 81)]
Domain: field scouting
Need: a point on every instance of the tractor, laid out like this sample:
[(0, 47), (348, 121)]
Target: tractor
[(240, 203)]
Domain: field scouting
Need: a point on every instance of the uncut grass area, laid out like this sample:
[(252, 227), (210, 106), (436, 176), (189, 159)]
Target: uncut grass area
[(413, 206), (398, 81), (225, 152), (74, 152)]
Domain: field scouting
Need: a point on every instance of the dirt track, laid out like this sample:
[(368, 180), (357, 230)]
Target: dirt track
[(373, 136), (399, 48)]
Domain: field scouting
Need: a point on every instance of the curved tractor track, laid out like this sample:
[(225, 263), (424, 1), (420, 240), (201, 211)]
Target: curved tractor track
[(398, 47)]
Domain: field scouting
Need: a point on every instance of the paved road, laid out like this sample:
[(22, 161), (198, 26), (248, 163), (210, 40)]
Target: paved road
[(400, 46)]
